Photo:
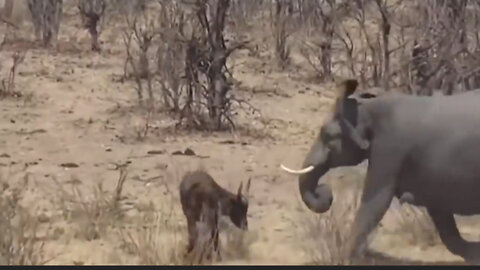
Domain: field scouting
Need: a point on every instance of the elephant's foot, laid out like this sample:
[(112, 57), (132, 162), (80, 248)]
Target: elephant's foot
[(473, 260), (356, 253), (472, 254)]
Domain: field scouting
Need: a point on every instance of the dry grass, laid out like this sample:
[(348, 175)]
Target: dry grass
[(237, 244), (158, 242), (163, 242), (326, 235), (7, 85), (416, 224), (93, 214), (18, 242)]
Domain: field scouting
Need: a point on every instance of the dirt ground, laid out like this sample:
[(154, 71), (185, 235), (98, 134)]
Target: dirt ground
[(74, 109)]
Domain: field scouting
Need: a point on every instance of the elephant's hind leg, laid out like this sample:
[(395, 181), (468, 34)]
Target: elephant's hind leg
[(447, 228)]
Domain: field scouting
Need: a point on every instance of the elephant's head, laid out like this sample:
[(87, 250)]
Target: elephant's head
[(343, 140)]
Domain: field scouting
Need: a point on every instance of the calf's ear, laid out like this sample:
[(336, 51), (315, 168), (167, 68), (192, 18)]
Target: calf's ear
[(247, 189), (239, 192)]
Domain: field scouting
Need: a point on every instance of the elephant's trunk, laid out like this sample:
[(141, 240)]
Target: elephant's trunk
[(317, 196)]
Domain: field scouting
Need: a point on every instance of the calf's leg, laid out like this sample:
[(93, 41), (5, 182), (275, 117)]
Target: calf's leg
[(192, 234)]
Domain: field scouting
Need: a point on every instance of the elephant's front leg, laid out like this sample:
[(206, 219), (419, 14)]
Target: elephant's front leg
[(376, 198), (447, 229)]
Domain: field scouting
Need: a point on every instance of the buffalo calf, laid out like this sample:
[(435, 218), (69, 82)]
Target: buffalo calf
[(201, 197)]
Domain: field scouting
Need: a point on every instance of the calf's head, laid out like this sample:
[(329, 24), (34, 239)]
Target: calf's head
[(238, 208), (342, 141)]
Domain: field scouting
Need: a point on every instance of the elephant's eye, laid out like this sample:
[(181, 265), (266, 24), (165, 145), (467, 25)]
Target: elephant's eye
[(330, 131), (326, 134)]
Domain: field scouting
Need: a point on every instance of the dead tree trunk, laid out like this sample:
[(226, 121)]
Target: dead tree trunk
[(46, 17), (328, 22), (282, 50), (382, 6), (217, 54), (91, 12)]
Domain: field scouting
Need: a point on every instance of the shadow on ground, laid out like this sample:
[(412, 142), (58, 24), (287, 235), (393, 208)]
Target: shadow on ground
[(378, 258)]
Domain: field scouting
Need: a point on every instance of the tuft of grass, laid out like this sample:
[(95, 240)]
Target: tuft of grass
[(18, 242), (7, 86), (157, 237), (96, 213), (237, 243), (326, 235), (416, 224)]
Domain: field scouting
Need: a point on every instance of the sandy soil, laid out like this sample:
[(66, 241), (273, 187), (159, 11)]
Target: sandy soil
[(75, 110)]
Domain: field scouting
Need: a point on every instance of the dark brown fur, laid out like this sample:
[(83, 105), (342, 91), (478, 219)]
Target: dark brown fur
[(200, 192)]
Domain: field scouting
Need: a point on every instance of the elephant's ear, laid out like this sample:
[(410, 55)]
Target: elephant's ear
[(344, 106), (346, 88)]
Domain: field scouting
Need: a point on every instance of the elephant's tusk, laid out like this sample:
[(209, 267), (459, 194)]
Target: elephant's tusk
[(302, 171)]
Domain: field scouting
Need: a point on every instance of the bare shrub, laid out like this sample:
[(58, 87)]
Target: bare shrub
[(171, 52), (323, 19), (46, 16), (445, 47), (7, 87), (413, 46), (7, 18), (207, 55), (371, 64), (244, 12), (139, 36), (140, 29), (191, 55), (91, 12), (124, 7)]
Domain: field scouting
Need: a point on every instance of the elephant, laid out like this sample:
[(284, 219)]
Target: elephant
[(424, 147)]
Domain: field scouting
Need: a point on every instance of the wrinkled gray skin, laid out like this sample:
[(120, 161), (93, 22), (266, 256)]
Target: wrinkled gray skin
[(427, 148)]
